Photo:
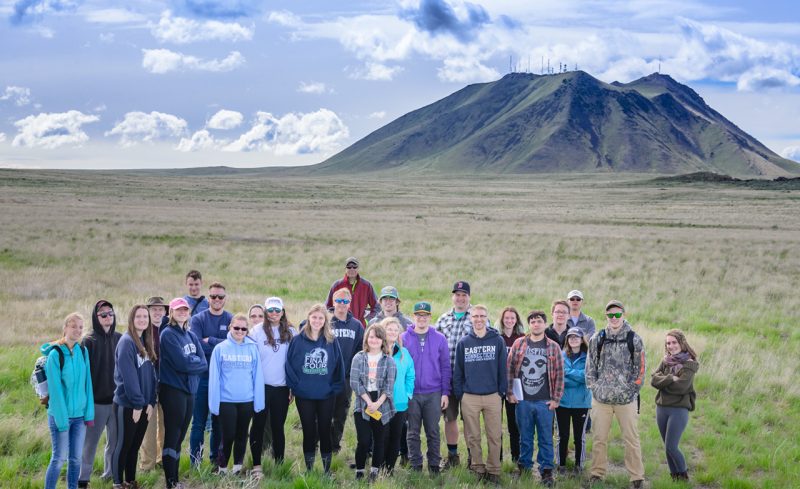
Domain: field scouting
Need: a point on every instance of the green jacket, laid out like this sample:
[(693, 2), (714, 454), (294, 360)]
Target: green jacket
[(70, 388), (675, 393)]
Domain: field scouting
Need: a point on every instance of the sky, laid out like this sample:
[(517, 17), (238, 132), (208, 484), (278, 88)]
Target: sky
[(247, 83)]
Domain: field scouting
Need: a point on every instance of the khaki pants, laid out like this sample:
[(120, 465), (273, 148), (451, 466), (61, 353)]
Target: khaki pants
[(153, 443), (491, 405), (627, 417)]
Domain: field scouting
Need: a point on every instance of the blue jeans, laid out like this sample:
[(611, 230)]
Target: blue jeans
[(199, 417), (534, 416), (67, 445)]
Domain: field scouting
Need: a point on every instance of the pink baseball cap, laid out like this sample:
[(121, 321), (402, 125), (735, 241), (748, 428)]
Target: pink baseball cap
[(178, 302)]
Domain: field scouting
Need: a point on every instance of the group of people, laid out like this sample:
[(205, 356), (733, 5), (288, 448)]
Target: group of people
[(191, 361)]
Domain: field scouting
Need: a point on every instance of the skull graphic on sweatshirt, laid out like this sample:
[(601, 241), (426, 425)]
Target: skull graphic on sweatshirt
[(533, 371)]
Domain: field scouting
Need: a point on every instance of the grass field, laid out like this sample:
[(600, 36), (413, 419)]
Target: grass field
[(721, 263)]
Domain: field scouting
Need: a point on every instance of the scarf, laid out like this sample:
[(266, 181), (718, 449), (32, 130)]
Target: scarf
[(675, 362)]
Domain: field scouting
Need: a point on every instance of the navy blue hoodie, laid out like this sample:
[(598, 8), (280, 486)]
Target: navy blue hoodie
[(314, 369), (101, 347), (350, 336), (134, 375), (182, 359), (480, 366), (215, 328)]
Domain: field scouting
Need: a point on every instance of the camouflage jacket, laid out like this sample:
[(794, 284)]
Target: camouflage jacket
[(613, 378)]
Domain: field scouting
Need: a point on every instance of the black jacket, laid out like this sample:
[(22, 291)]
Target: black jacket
[(101, 347)]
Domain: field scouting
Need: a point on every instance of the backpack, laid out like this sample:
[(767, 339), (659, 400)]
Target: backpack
[(39, 377), (199, 300), (601, 339)]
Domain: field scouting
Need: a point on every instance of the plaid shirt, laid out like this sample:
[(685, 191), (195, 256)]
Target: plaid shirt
[(555, 366), (453, 329), (386, 374)]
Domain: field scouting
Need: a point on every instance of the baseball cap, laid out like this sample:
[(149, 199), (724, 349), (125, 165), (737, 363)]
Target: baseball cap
[(273, 302), (352, 260), (575, 293), (461, 286), (422, 308), (389, 291), (575, 331), (615, 303), (178, 302)]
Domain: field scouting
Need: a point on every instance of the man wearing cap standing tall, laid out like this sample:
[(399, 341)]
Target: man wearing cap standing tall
[(153, 442), (615, 368), (363, 295), (578, 319), (390, 307)]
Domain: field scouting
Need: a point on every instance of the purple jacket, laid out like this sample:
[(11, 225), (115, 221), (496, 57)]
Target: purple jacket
[(431, 364)]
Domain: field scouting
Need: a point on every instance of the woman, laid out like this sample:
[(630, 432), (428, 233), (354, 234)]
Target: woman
[(235, 390), (674, 379), (71, 403), (255, 315), (372, 376), (134, 395), (403, 391), (182, 362), (315, 375), (272, 338), (511, 329), (575, 402)]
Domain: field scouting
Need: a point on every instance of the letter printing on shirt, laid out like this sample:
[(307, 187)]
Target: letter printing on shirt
[(316, 362), (479, 353), (345, 333), (189, 349)]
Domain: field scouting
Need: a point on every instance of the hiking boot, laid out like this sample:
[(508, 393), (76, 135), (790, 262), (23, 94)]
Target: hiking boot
[(637, 484), (547, 478), (452, 460), (479, 475), (492, 479), (359, 474), (683, 476), (434, 470)]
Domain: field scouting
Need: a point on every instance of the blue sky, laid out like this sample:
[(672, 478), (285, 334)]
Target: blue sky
[(90, 84)]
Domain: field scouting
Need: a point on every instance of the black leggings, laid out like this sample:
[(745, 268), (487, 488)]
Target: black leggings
[(370, 435), (315, 418), (129, 439), (177, 406), (513, 430), (277, 406), (394, 438), (578, 418), (234, 419)]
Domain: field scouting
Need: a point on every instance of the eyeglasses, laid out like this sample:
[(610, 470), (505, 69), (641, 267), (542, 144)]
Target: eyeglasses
[(109, 314), (352, 267), (236, 328), (274, 309), (480, 316), (342, 301), (216, 296), (610, 315), (575, 299), (561, 313)]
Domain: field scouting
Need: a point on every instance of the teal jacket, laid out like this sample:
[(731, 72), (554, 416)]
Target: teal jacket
[(404, 380), (70, 388), (576, 395)]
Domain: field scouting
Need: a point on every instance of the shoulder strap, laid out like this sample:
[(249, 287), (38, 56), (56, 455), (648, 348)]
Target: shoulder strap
[(629, 340), (601, 338), (199, 300)]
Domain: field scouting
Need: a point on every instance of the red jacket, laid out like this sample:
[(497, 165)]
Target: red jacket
[(363, 296)]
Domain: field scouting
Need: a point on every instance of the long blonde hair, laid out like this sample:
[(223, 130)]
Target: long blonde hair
[(385, 324), (71, 317), (327, 330)]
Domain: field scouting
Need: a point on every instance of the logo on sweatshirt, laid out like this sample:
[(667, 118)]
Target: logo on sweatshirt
[(345, 333), (316, 362), (189, 349)]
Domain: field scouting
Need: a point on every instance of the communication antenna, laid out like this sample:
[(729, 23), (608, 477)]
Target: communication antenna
[(542, 72), (510, 60)]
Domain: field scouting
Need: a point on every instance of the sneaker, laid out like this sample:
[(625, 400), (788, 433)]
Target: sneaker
[(547, 478), (637, 484)]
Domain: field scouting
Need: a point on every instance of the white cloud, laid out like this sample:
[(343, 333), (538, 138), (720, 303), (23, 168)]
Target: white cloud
[(19, 95), (375, 71), (293, 134), (377, 115), (52, 130), (462, 70), (285, 18), (143, 127), (792, 153), (200, 140), (181, 30), (114, 16), (225, 119), (2, 137), (759, 78), (106, 37), (313, 87), (162, 61)]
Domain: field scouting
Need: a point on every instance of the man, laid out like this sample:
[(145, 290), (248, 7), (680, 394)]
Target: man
[(480, 384), (454, 325), (558, 330), (194, 282), (101, 344), (536, 366), (361, 291), (614, 372), (211, 328), (349, 334), (428, 348), (577, 318), (390, 307), (153, 442)]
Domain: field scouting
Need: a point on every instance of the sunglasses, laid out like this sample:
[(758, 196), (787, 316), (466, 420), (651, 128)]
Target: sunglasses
[(351, 267), (575, 299), (236, 328), (274, 309), (216, 296), (342, 301), (610, 315), (109, 314)]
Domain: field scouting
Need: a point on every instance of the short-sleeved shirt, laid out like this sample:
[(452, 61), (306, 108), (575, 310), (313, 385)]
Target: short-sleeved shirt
[(533, 372)]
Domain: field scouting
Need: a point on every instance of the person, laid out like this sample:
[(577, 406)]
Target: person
[(403, 392), (390, 307), (480, 384), (235, 391), (454, 325), (511, 327), (134, 395), (614, 372), (577, 319), (101, 344), (194, 284), (674, 380), (315, 375), (211, 327), (363, 294), (428, 349), (272, 338), (576, 402), (255, 315), (535, 364), (372, 378), (153, 443), (349, 333), (181, 364), (71, 404), (557, 331)]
